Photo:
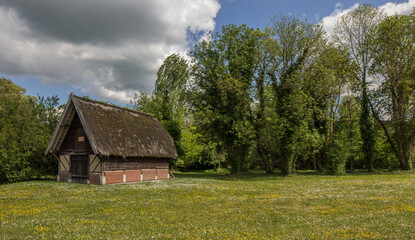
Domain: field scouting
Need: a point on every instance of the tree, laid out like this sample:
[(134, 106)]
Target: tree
[(26, 126), (294, 42), (354, 31), (170, 86), (48, 111), (327, 79), (166, 101), (265, 123), (344, 148), (223, 72), (395, 96)]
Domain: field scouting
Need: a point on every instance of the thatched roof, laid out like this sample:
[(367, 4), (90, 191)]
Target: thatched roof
[(115, 131)]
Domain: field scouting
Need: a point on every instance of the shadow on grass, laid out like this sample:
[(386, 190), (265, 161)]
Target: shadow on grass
[(256, 175)]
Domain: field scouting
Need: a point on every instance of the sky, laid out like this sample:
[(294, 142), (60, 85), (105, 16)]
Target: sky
[(108, 50)]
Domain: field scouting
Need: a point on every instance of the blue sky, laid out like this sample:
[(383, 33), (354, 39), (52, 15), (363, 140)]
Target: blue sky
[(110, 49)]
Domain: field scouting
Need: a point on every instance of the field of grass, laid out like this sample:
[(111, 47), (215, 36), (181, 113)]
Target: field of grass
[(209, 206)]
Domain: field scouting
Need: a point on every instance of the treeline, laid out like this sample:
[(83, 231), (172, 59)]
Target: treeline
[(293, 97), (26, 126)]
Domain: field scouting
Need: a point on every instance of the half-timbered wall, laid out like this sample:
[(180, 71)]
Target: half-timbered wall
[(64, 163), (77, 163), (67, 170), (94, 169), (75, 139)]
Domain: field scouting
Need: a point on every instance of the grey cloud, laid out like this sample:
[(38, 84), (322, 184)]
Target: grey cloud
[(104, 47), (94, 21)]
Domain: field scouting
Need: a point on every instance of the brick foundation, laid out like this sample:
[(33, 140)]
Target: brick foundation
[(162, 174), (129, 176), (149, 174), (132, 175), (114, 177)]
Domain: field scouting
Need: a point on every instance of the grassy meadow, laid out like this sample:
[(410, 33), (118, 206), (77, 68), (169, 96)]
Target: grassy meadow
[(211, 206)]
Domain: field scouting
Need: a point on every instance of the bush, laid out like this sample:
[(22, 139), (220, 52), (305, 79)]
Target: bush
[(26, 126)]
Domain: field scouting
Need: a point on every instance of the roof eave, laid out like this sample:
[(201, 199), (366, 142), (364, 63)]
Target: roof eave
[(52, 141)]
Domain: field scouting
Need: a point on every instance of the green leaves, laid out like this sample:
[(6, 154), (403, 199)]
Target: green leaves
[(26, 125), (394, 62), (284, 97), (224, 71)]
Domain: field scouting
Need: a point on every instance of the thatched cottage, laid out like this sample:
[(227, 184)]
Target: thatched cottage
[(97, 143)]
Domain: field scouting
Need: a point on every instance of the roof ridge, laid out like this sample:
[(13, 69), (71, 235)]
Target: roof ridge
[(113, 106)]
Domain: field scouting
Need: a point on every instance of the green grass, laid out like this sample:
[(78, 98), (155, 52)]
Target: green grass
[(210, 206)]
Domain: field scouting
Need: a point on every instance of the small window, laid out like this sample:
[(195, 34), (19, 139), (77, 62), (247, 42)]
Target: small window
[(81, 139)]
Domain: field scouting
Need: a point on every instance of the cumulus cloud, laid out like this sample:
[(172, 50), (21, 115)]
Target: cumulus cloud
[(389, 8), (330, 21), (107, 48), (395, 8)]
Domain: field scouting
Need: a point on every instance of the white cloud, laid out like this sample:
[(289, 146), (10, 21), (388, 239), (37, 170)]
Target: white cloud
[(330, 21), (401, 8), (339, 5), (388, 8), (107, 48)]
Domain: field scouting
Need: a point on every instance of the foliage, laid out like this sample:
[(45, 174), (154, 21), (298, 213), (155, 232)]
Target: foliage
[(145, 102), (268, 130), (294, 42), (354, 31), (395, 97), (283, 97), (166, 101), (223, 72), (170, 87), (345, 149), (26, 126)]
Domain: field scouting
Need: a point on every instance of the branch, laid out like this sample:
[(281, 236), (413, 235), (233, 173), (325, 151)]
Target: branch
[(376, 116)]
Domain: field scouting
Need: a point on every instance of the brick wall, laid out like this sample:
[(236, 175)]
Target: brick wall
[(114, 177), (133, 175), (130, 176), (162, 173), (149, 174)]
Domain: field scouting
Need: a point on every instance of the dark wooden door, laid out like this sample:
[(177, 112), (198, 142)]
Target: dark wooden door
[(79, 168)]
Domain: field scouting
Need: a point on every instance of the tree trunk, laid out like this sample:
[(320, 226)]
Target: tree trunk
[(366, 128), (405, 160)]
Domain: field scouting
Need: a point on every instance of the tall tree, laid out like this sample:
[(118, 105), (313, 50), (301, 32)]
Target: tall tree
[(294, 42), (327, 80), (395, 63), (26, 125), (355, 31), (166, 102), (264, 129), (223, 73), (345, 146), (170, 85)]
